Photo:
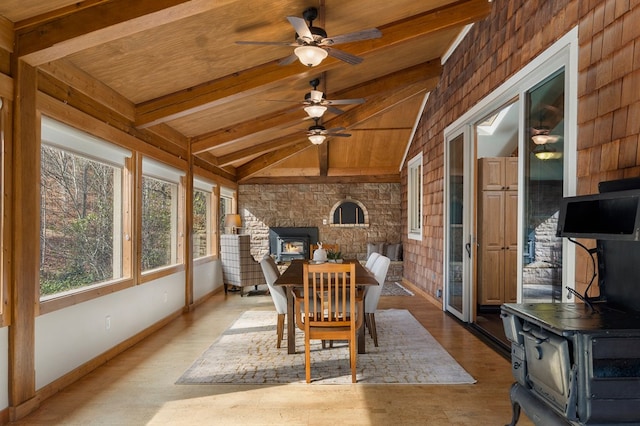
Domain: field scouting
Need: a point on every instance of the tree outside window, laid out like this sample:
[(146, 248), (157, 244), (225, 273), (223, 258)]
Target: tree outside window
[(159, 223), (77, 229)]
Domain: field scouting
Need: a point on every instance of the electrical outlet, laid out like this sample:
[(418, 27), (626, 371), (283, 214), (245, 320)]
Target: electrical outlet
[(107, 322), (439, 293)]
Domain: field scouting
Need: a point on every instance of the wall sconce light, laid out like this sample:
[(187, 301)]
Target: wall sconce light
[(544, 152), (317, 139), (310, 56), (233, 221)]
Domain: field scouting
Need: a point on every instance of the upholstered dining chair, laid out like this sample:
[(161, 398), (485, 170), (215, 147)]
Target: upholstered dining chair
[(372, 295), (328, 298), (278, 295), (371, 260)]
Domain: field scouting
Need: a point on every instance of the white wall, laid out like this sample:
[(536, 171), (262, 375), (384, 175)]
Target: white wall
[(206, 278), (67, 338)]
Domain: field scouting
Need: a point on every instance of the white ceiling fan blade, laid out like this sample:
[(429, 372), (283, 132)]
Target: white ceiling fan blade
[(301, 27), (288, 60), (343, 56), (355, 36), (336, 111), (346, 101)]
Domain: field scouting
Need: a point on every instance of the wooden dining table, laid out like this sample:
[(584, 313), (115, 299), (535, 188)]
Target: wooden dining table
[(292, 277)]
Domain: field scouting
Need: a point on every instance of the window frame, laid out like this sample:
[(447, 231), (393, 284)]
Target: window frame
[(415, 197), (55, 133), (155, 169), (210, 189)]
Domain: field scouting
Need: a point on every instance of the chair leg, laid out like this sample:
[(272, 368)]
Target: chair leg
[(372, 328), (307, 357), (367, 323), (280, 329), (353, 353)]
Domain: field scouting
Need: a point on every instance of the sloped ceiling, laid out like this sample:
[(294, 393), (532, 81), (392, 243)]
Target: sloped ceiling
[(171, 73)]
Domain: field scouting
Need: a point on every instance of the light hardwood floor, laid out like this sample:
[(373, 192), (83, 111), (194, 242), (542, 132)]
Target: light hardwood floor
[(137, 387)]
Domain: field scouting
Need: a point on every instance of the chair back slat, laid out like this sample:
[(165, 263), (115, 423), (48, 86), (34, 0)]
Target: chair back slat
[(328, 294)]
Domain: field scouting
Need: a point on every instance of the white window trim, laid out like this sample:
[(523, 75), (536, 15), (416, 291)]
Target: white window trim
[(415, 163)]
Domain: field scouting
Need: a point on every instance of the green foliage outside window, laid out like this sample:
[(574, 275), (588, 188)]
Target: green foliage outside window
[(77, 222), (159, 212)]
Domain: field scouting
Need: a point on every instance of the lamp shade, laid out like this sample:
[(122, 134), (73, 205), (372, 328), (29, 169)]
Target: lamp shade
[(317, 139), (315, 111), (310, 55), (544, 152), (544, 138), (232, 221)]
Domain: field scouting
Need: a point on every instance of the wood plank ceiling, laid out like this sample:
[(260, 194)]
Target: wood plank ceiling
[(170, 73)]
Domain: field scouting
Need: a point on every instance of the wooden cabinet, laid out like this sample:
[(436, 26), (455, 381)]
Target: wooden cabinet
[(497, 230)]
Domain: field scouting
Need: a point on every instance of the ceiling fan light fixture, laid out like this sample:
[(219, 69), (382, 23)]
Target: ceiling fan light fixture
[(315, 111), (315, 96), (317, 139), (544, 138), (310, 56), (544, 153)]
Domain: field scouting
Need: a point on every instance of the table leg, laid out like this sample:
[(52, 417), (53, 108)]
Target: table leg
[(291, 322)]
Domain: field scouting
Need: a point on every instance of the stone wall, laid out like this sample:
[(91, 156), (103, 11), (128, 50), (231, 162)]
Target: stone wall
[(265, 206)]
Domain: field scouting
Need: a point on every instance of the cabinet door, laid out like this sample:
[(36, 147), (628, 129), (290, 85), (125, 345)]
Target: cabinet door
[(492, 248), (491, 287), (511, 173), (492, 173), (492, 220)]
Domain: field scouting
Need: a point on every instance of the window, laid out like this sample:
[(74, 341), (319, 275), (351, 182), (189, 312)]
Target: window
[(161, 242), (81, 211), (202, 219), (414, 197), (227, 197)]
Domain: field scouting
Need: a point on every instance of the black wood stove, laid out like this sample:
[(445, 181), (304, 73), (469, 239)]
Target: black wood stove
[(579, 363)]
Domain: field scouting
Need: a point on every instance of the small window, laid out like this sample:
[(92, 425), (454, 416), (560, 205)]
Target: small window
[(414, 198), (202, 218), (160, 211), (226, 207), (349, 213)]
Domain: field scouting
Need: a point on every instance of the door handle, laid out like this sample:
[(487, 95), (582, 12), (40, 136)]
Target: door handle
[(467, 247)]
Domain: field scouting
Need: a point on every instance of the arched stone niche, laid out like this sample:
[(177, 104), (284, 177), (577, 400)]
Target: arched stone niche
[(349, 213)]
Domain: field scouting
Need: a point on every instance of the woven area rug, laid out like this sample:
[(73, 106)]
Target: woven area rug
[(394, 288), (246, 353)]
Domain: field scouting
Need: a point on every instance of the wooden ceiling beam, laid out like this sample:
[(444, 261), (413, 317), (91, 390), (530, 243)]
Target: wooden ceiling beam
[(284, 118), (68, 32), (6, 34), (374, 106), (241, 131), (250, 81), (263, 148), (378, 178), (79, 80), (268, 160)]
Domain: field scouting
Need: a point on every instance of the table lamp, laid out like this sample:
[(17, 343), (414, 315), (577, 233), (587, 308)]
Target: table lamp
[(232, 221)]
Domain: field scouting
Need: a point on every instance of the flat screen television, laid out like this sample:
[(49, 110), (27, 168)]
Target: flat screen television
[(604, 216)]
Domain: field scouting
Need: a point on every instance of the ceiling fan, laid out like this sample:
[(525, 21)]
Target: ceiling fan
[(315, 104), (318, 133), (313, 45)]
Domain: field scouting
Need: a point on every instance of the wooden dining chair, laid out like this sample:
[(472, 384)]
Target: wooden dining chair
[(328, 297)]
